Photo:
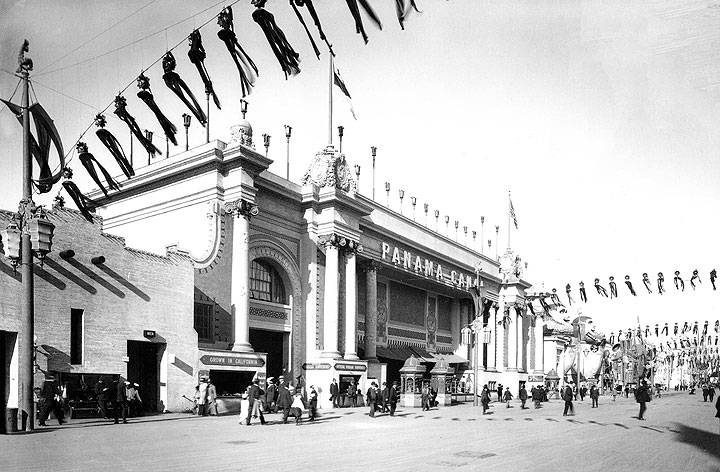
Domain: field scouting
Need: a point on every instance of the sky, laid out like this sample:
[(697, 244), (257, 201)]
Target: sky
[(600, 117)]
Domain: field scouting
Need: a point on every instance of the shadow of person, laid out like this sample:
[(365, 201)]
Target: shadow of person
[(699, 438)]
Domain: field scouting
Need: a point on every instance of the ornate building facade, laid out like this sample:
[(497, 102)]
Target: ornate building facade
[(315, 281)]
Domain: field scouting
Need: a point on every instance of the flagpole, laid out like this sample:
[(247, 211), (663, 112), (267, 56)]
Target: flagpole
[(509, 219), (330, 102)]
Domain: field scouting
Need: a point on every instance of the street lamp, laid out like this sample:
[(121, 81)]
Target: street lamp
[(387, 196), (341, 130), (243, 107), (401, 193), (357, 175), (373, 152), (288, 133), (477, 327), (413, 200), (30, 231), (266, 142), (186, 123)]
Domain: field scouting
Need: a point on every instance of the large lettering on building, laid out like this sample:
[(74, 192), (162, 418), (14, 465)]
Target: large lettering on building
[(425, 267)]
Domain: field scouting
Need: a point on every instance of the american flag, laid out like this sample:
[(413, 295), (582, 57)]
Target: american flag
[(512, 214)]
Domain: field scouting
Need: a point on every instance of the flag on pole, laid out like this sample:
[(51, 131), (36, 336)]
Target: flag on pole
[(341, 85), (512, 213)]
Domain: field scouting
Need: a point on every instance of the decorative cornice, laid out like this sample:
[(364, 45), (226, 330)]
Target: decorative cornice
[(242, 208), (370, 266)]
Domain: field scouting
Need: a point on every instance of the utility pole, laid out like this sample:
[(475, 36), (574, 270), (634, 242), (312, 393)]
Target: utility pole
[(26, 343)]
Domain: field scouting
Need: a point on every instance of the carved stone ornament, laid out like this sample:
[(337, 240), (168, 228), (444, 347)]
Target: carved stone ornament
[(242, 134), (510, 266), (341, 242), (330, 169), (241, 208)]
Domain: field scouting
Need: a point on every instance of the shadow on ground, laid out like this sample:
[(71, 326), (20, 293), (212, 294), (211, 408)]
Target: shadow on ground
[(699, 438)]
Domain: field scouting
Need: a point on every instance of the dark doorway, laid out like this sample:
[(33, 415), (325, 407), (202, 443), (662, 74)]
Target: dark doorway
[(228, 382), (274, 344), (144, 369), (7, 345), (393, 368)]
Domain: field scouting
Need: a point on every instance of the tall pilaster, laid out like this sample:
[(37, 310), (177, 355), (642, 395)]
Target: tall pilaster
[(371, 311), (539, 337), (499, 339), (350, 305), (512, 337), (330, 299), (241, 210)]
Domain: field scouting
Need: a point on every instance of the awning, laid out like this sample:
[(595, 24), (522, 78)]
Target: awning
[(422, 354), (395, 353), (451, 358)]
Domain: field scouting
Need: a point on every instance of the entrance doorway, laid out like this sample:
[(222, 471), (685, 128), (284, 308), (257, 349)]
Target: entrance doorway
[(144, 369), (7, 345), (230, 382), (274, 343)]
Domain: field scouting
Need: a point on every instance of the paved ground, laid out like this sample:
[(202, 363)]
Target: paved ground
[(681, 433)]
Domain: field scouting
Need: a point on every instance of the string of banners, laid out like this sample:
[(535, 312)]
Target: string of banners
[(657, 286), (46, 134)]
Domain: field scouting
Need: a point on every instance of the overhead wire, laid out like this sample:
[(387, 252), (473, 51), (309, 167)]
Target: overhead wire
[(97, 35), (99, 56), (146, 68)]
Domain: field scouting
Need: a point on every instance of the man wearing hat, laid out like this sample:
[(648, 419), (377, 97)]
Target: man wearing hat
[(284, 401), (202, 396), (121, 401), (51, 395)]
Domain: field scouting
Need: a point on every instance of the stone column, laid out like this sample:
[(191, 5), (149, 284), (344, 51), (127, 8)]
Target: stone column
[(539, 364), (499, 340), (239, 293), (350, 306), (330, 300), (371, 311), (512, 338)]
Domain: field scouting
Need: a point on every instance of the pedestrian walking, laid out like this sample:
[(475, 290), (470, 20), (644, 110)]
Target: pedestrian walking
[(711, 392), (51, 396), (485, 398), (567, 396), (352, 394), (705, 392), (372, 398), (583, 392), (507, 396), (284, 401), (642, 396), (133, 398), (594, 396), (522, 394), (121, 403), (255, 395), (425, 397), (383, 396), (212, 398), (271, 395), (335, 393), (536, 394), (297, 407), (102, 393), (202, 397), (500, 392), (312, 403), (393, 397)]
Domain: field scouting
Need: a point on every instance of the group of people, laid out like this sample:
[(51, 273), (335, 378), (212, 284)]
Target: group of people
[(116, 399), (708, 391), (205, 398), (383, 400), (279, 397)]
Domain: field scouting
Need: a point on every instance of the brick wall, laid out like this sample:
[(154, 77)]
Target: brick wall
[(131, 292)]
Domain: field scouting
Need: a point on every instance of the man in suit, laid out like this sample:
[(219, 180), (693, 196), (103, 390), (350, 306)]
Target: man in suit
[(121, 402), (393, 398), (568, 396), (385, 398), (284, 401), (335, 393), (500, 392), (50, 393)]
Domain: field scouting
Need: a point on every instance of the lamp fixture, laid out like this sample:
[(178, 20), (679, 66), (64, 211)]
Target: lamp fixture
[(243, 107)]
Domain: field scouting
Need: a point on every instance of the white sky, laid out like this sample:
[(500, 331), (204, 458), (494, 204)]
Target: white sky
[(601, 117)]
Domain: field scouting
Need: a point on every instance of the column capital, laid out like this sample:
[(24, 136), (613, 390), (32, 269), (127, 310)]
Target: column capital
[(242, 208), (347, 245), (370, 266)]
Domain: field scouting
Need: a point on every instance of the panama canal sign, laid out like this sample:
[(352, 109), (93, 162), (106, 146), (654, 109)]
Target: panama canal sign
[(425, 267)]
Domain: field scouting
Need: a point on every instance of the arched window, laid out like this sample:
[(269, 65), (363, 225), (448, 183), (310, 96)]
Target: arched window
[(265, 283)]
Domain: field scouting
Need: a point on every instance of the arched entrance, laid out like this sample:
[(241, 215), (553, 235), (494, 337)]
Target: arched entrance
[(275, 310)]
